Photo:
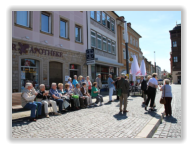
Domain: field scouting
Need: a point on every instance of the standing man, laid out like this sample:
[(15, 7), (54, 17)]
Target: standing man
[(98, 80), (143, 88), (124, 86), (117, 79), (111, 87)]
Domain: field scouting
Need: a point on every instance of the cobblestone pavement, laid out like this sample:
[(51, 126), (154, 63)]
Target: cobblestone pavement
[(96, 122), (171, 126)]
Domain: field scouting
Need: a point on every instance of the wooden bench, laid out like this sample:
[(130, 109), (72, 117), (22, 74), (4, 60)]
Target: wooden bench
[(16, 101)]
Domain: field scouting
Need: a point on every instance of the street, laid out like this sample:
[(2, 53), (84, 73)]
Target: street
[(171, 126), (97, 122)]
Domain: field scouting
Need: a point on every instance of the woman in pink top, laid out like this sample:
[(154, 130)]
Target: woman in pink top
[(88, 84)]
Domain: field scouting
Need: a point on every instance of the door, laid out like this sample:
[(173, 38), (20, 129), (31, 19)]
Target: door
[(55, 73), (72, 73)]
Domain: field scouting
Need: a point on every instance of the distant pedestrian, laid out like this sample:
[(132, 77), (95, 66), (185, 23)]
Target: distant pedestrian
[(168, 97), (152, 85), (124, 87), (111, 87), (98, 80), (117, 79), (143, 88)]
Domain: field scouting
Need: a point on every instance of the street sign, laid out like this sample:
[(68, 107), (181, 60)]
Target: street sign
[(127, 75), (90, 54), (91, 62)]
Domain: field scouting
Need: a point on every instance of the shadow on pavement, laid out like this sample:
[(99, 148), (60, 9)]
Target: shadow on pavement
[(152, 113), (120, 116), (170, 119)]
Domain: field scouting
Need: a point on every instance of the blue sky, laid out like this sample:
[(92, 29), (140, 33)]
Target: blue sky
[(154, 28)]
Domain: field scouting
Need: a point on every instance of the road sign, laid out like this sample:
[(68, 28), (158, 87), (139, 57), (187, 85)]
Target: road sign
[(90, 54), (91, 62)]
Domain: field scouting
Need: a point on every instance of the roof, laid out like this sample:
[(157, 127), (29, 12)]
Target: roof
[(177, 27), (115, 13)]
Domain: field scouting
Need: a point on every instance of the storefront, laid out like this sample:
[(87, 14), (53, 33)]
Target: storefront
[(42, 64)]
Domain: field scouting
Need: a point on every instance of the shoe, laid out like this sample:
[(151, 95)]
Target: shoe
[(145, 108), (47, 116), (101, 104), (39, 117), (153, 109), (32, 120), (125, 111), (57, 114), (110, 100)]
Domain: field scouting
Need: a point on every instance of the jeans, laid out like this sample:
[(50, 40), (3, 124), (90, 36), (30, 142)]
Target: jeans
[(59, 102), (32, 106), (110, 93)]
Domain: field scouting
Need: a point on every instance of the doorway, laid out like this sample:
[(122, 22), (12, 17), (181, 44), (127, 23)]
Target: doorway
[(55, 73)]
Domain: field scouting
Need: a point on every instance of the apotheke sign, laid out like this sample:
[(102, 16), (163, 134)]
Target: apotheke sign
[(23, 49)]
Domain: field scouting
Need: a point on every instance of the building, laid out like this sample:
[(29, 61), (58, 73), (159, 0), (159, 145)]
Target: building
[(133, 45), (102, 37), (164, 74), (175, 60), (47, 46), (158, 71)]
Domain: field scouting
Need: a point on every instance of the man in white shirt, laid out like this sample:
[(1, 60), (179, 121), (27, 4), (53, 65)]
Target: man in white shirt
[(152, 85)]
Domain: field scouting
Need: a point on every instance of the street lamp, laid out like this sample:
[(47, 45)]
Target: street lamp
[(126, 46)]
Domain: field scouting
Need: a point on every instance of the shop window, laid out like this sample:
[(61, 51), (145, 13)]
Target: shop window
[(74, 70), (29, 72)]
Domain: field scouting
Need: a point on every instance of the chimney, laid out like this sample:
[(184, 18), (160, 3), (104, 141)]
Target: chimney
[(129, 24), (121, 18)]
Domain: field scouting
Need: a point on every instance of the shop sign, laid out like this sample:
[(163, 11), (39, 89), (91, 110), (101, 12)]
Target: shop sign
[(91, 62), (72, 66), (27, 63), (23, 49)]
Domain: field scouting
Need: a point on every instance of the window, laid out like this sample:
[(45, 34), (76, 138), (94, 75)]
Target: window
[(174, 43), (45, 22), (99, 16), (78, 33), (93, 38), (104, 44), (29, 72), (23, 18), (124, 54), (112, 25), (123, 36), (109, 46), (131, 39), (98, 41), (63, 29), (175, 59), (103, 19), (108, 22), (113, 47), (93, 14), (134, 41)]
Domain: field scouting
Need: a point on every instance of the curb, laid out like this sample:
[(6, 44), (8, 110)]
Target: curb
[(151, 127)]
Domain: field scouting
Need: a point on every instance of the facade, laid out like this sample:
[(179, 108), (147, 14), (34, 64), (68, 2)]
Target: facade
[(47, 47), (133, 45), (175, 60), (158, 71), (102, 37)]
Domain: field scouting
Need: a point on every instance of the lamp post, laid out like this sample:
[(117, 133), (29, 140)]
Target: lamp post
[(154, 61), (126, 46)]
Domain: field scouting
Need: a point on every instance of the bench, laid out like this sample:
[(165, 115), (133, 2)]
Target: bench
[(16, 101)]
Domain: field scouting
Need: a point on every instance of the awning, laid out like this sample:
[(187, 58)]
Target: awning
[(107, 62)]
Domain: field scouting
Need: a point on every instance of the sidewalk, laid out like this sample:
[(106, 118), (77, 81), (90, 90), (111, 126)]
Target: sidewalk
[(97, 122)]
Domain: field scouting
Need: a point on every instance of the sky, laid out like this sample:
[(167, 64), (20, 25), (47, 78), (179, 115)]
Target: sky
[(154, 27)]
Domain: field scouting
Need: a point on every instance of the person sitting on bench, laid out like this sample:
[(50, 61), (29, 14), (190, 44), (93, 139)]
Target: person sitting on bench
[(56, 96), (27, 101), (44, 99)]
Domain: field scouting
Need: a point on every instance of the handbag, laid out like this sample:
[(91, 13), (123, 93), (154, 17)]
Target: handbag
[(75, 96), (162, 100)]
